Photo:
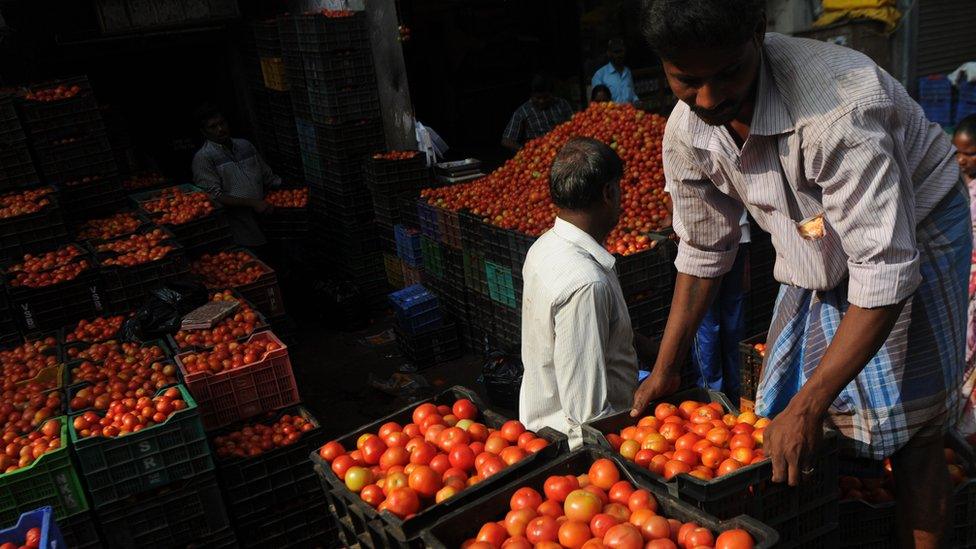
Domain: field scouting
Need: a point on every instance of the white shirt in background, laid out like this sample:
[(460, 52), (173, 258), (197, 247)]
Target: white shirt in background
[(577, 340)]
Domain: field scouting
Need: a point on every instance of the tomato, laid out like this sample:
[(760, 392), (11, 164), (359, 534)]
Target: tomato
[(617, 511), (373, 495), (492, 533), (640, 516), (402, 502), (372, 449), (451, 437), (388, 428), (629, 449), (620, 492), (525, 498), (734, 539), (542, 529), (623, 536), (656, 527), (728, 466), (660, 544), (462, 457), (573, 534), (642, 499), (683, 532), (517, 542), (557, 488), (495, 444), (425, 481), (394, 481), (550, 508), (342, 464), (700, 537), (582, 505), (358, 477), (517, 520), (601, 523), (524, 439), (423, 453), (441, 463), (511, 430), (536, 445), (512, 455), (464, 409), (603, 473), (664, 410), (394, 456), (422, 411)]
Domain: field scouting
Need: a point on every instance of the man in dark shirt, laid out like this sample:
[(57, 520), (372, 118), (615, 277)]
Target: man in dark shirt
[(235, 174), (537, 116)]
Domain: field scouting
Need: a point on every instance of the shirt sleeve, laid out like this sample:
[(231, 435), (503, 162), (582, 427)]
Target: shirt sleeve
[(565, 110), (582, 329), (205, 176), (868, 199), (597, 78), (630, 95), (705, 219), (513, 131)]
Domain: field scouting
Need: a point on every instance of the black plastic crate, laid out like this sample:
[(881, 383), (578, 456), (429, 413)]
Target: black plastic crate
[(39, 111), (473, 233), (351, 210), (327, 108), (648, 270), (177, 515), (286, 223), (341, 142), (207, 234), (96, 198), (56, 128), (393, 532), (127, 288), (33, 232), (13, 175), (315, 33), (259, 486), (506, 247), (649, 315), (430, 348), (751, 365), (454, 528), (80, 531), (70, 153), (339, 71), (299, 523), (797, 513), (51, 307)]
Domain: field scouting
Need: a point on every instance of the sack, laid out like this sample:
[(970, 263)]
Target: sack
[(501, 375), (163, 311)]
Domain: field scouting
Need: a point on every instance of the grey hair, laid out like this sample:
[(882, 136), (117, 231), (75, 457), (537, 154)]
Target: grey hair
[(581, 170)]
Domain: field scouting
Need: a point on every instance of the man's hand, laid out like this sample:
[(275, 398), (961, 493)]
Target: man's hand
[(790, 440), (657, 385)]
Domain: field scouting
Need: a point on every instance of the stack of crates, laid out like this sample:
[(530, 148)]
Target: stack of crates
[(275, 117), (16, 165), (71, 147), (935, 97), (390, 178), (424, 336), (329, 69), (40, 228), (263, 128), (410, 254)]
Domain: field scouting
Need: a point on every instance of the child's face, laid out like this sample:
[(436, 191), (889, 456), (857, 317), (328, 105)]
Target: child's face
[(966, 153)]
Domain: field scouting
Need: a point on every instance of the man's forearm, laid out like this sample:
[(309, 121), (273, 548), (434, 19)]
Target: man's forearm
[(859, 336), (236, 202), (692, 297)]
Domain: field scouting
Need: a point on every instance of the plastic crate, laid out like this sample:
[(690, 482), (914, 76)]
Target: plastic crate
[(33, 232), (264, 293), (340, 142), (286, 223), (797, 513), (751, 367), (413, 275), (381, 170), (935, 97), (458, 526), (475, 277), (449, 228), (260, 325), (648, 270), (273, 71), (427, 218), (80, 531), (417, 309), (116, 468), (433, 256), (340, 108), (316, 33), (127, 288), (472, 233), (258, 486), (408, 245), (50, 480), (390, 531), (339, 71), (501, 287), (97, 198), (54, 306), (430, 348), (32, 112), (202, 235), (394, 270), (43, 519), (178, 515), (303, 522), (235, 395)]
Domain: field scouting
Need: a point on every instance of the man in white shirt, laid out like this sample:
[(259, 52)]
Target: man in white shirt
[(578, 346), (615, 75), (715, 353)]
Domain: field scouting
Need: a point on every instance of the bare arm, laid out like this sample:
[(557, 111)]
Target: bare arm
[(692, 297)]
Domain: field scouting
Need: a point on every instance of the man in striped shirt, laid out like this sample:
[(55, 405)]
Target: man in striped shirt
[(870, 223), (537, 116)]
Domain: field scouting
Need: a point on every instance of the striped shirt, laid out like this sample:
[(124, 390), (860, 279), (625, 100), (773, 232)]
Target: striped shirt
[(577, 341), (239, 172), (528, 122), (832, 135)]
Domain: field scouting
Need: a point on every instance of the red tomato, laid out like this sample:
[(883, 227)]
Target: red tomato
[(573, 534), (700, 537), (542, 529), (425, 481), (342, 464), (373, 495), (402, 502), (422, 411), (372, 450), (462, 457), (517, 520), (582, 506), (525, 498), (492, 533), (331, 450), (394, 456), (642, 499), (603, 473), (734, 539), (550, 508), (465, 409), (557, 488), (620, 492), (623, 536), (511, 430), (601, 523)]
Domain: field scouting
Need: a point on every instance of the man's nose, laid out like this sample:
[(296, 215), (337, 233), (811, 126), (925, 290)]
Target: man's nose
[(708, 97)]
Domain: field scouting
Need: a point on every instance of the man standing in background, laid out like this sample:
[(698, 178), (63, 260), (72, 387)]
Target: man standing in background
[(537, 116), (615, 75)]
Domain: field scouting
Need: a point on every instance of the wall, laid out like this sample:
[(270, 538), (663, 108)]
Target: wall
[(789, 16)]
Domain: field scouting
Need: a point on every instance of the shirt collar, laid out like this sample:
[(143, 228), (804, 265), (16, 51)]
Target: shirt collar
[(770, 117), (573, 234), (621, 72)]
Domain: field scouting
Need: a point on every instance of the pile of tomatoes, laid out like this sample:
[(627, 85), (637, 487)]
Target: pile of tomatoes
[(396, 155), (405, 468), (288, 198), (32, 540), (18, 203), (228, 356), (255, 439), (48, 269), (45, 262), (130, 415), (337, 14), (83, 181), (22, 450), (56, 93), (96, 329), (138, 249), (516, 196), (26, 360), (227, 269), (694, 438), (114, 226), (143, 181), (113, 350), (240, 324), (24, 407), (56, 275), (595, 510), (114, 380), (178, 207)]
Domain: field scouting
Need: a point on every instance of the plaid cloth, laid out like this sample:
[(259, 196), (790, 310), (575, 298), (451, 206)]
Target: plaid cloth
[(528, 122), (914, 380)]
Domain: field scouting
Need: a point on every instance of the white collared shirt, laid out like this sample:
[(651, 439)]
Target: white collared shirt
[(577, 341)]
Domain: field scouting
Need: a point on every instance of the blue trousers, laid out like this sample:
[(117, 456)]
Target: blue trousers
[(715, 352)]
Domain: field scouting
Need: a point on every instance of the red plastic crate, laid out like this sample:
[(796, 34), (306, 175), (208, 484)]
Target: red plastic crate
[(242, 393)]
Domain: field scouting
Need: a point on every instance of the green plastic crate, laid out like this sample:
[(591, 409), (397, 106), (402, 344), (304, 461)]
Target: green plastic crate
[(51, 480), (433, 256), (501, 287), (116, 468)]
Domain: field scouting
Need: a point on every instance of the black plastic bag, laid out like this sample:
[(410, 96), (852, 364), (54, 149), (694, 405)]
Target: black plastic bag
[(163, 310), (501, 375)]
